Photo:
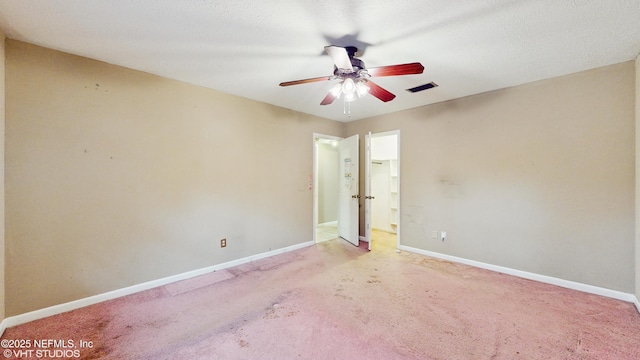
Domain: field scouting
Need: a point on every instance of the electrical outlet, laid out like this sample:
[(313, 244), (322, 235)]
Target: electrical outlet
[(223, 243), (443, 235)]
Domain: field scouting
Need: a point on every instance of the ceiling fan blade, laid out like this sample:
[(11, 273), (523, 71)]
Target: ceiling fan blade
[(328, 99), (340, 57), (379, 92), (427, 86), (393, 70), (304, 81)]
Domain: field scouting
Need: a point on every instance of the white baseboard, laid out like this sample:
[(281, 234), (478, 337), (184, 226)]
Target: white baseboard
[(76, 304), (637, 302), (619, 295)]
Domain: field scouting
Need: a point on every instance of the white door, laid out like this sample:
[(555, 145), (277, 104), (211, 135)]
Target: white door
[(348, 226), (367, 189)]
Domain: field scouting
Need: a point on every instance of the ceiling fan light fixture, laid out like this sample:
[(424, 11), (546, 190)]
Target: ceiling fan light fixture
[(350, 97), (348, 86), (336, 90), (361, 88)]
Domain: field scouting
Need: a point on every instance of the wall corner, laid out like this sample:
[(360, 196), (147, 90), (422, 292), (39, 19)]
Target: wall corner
[(2, 197), (637, 173)]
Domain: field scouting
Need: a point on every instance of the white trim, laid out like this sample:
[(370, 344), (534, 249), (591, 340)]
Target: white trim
[(619, 295), (368, 206), (363, 238), (399, 174), (76, 304), (637, 302)]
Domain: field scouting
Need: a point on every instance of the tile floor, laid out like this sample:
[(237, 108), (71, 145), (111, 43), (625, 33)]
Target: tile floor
[(327, 231)]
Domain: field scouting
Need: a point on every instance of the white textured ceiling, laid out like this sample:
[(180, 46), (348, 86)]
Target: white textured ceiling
[(247, 48)]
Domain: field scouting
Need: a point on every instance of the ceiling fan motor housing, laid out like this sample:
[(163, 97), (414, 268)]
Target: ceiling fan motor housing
[(358, 70), (357, 64)]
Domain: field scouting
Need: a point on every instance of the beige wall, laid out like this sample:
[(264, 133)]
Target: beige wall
[(2, 228), (538, 177), (637, 249), (117, 177)]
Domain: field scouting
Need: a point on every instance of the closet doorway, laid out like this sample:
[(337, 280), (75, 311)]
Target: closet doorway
[(382, 203)]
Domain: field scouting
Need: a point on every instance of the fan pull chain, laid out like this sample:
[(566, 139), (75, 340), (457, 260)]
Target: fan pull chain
[(347, 108)]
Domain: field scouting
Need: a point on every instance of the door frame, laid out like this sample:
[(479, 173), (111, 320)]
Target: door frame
[(314, 182), (367, 178)]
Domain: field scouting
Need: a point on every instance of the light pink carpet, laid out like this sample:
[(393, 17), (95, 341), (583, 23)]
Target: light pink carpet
[(337, 301)]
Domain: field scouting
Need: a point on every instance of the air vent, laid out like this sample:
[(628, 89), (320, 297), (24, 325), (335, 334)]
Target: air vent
[(423, 87)]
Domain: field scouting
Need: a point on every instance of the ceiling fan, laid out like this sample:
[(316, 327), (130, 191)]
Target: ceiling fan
[(355, 78)]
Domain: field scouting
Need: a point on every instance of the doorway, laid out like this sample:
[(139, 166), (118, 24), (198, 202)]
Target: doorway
[(335, 188), (325, 187), (382, 207), (336, 195)]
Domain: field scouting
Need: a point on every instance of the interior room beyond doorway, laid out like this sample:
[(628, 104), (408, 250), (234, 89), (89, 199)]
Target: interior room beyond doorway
[(326, 188), (385, 188)]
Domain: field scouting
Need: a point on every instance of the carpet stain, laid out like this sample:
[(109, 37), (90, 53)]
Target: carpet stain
[(373, 280), (160, 323), (243, 343), (342, 296)]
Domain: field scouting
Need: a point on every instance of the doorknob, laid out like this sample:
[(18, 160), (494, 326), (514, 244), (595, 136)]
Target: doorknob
[(370, 197)]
